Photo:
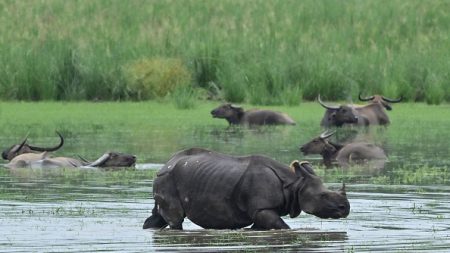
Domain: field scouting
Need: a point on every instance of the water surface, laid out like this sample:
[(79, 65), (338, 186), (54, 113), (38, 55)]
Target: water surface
[(403, 207)]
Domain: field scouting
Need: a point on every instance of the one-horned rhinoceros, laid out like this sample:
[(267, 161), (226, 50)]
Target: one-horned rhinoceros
[(220, 191)]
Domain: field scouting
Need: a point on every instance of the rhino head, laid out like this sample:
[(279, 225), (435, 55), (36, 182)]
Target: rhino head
[(23, 147), (312, 197)]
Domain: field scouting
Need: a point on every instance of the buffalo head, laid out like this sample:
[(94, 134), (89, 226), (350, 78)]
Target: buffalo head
[(319, 145), (338, 115), (384, 101), (23, 147), (228, 111), (314, 198), (114, 159)]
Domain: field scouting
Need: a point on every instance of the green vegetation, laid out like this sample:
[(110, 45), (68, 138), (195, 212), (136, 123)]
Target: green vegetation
[(258, 52)]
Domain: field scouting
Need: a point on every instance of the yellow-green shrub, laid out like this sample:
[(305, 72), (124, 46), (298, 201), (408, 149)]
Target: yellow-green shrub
[(157, 77)]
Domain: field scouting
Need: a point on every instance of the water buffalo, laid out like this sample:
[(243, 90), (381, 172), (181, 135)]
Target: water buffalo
[(344, 155), (23, 148), (384, 101), (220, 191), (371, 114), (44, 160), (237, 116)]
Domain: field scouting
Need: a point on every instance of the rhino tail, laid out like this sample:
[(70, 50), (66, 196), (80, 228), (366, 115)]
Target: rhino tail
[(155, 220)]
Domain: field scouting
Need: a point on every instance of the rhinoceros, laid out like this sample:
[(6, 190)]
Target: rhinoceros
[(220, 191)]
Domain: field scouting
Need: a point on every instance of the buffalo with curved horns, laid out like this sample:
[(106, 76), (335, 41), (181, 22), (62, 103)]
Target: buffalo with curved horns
[(44, 160), (220, 191), (371, 114), (344, 155), (236, 115), (384, 101), (23, 148)]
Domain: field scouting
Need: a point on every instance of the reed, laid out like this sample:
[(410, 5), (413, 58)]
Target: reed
[(260, 52)]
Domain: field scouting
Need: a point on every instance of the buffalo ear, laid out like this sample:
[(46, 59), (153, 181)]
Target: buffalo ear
[(302, 169)]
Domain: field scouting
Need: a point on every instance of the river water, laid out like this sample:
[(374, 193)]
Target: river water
[(402, 207)]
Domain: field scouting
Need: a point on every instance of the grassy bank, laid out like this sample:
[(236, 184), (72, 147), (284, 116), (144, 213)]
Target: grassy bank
[(258, 52)]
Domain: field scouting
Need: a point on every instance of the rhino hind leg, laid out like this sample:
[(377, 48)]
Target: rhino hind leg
[(268, 219)]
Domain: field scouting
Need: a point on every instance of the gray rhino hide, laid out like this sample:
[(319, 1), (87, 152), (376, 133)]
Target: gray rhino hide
[(230, 188)]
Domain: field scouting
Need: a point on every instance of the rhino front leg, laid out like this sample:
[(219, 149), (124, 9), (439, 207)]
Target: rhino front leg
[(171, 211), (268, 219)]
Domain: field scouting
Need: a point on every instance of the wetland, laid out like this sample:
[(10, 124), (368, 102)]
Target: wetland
[(403, 207)]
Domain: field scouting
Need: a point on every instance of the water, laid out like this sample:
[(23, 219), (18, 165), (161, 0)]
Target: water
[(79, 215), (403, 207)]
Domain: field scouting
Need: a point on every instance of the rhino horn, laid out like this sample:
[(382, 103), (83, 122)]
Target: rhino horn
[(326, 106), (61, 143)]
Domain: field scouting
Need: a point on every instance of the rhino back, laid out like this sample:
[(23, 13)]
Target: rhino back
[(220, 191), (205, 185)]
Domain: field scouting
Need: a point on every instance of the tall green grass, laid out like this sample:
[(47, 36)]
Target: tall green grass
[(255, 51)]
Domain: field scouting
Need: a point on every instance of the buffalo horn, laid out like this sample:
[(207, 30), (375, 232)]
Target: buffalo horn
[(326, 134), (365, 99), (100, 160), (83, 159), (61, 143), (235, 106), (20, 146), (326, 106), (390, 100)]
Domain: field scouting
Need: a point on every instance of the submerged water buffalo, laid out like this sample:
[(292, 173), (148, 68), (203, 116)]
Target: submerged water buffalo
[(371, 114), (237, 116), (23, 148), (220, 191), (384, 101), (344, 155), (44, 160)]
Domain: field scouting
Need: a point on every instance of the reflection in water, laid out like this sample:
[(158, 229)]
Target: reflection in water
[(245, 239)]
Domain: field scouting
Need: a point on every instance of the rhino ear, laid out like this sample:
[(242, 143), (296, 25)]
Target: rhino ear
[(302, 169)]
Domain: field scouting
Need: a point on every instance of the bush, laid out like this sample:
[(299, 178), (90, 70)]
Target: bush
[(155, 78)]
